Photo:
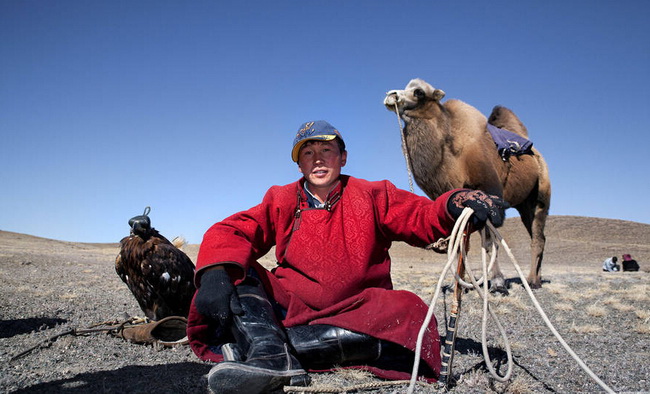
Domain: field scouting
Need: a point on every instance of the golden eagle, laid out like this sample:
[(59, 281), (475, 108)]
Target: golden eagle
[(160, 276)]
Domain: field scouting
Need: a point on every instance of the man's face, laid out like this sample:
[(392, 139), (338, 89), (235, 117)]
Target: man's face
[(320, 162)]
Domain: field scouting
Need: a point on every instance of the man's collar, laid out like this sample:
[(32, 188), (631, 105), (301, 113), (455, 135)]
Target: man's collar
[(313, 201)]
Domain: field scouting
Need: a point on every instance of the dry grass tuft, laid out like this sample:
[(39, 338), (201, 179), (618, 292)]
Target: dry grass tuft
[(592, 293), (637, 293), (623, 307), (556, 288), (642, 314), (342, 378), (562, 306), (585, 328), (572, 297), (643, 328), (474, 379), (520, 385), (473, 309), (518, 346), (596, 310), (514, 301), (354, 374), (179, 242), (503, 310)]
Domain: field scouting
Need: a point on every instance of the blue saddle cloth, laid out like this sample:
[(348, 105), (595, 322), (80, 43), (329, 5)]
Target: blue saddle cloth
[(509, 143)]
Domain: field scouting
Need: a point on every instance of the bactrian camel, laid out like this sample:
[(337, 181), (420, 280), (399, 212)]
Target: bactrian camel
[(449, 147)]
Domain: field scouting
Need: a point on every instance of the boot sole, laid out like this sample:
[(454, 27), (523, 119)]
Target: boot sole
[(236, 378)]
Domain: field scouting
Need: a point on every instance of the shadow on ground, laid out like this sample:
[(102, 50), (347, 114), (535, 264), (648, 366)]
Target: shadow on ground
[(9, 328), (498, 356), (184, 377), (517, 281)]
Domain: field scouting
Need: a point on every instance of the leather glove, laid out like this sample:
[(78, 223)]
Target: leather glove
[(485, 206), (217, 298)]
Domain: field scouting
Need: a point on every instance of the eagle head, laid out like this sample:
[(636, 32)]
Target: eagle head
[(141, 225)]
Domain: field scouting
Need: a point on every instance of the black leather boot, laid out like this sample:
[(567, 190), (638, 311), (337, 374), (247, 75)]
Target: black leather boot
[(322, 346), (266, 363)]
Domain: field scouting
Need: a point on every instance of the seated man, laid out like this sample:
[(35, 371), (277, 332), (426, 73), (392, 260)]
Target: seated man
[(609, 265), (329, 302)]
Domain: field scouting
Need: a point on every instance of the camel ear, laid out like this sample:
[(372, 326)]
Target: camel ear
[(438, 94)]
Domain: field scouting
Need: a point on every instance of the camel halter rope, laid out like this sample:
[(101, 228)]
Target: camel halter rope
[(405, 151), (457, 249)]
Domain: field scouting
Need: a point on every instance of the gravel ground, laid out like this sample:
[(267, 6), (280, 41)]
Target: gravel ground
[(50, 287)]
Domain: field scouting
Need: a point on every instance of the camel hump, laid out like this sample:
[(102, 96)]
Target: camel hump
[(504, 118)]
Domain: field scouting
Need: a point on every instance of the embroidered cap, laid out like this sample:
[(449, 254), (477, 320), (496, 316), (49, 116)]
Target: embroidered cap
[(317, 130)]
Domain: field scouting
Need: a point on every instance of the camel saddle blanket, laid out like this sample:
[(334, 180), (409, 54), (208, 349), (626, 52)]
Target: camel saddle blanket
[(509, 143)]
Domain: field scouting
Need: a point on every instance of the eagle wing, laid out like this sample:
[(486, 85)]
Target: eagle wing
[(160, 276), (170, 273)]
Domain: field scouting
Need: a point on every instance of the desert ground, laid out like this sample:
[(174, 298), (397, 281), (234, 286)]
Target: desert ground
[(50, 287)]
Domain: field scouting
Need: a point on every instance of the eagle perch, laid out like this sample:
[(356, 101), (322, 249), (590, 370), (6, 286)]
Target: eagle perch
[(160, 276)]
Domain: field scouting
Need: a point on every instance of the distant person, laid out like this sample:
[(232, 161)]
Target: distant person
[(629, 264), (609, 265)]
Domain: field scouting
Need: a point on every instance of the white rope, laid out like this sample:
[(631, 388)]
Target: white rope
[(405, 149), (456, 247), (543, 314), (452, 252), (486, 310)]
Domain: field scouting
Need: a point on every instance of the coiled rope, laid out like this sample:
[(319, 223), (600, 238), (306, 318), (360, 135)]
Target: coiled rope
[(453, 252), (456, 248)]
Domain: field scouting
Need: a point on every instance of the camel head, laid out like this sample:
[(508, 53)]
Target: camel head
[(416, 95)]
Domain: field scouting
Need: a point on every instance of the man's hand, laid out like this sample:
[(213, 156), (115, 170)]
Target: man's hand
[(216, 298), (485, 206)]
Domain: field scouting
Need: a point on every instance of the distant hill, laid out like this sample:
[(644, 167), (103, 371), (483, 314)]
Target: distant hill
[(570, 240)]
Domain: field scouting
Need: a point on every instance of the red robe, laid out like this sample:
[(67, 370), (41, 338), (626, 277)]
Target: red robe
[(333, 265)]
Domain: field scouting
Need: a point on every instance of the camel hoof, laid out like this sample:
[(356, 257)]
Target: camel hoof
[(535, 285), (498, 285), (499, 290)]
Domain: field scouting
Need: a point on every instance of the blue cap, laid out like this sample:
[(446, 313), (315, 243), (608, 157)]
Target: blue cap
[(316, 130)]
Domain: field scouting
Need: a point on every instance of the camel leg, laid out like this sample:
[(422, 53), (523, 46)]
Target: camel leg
[(537, 247), (533, 217), (497, 280)]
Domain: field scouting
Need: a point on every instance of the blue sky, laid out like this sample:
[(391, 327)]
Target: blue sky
[(191, 107)]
